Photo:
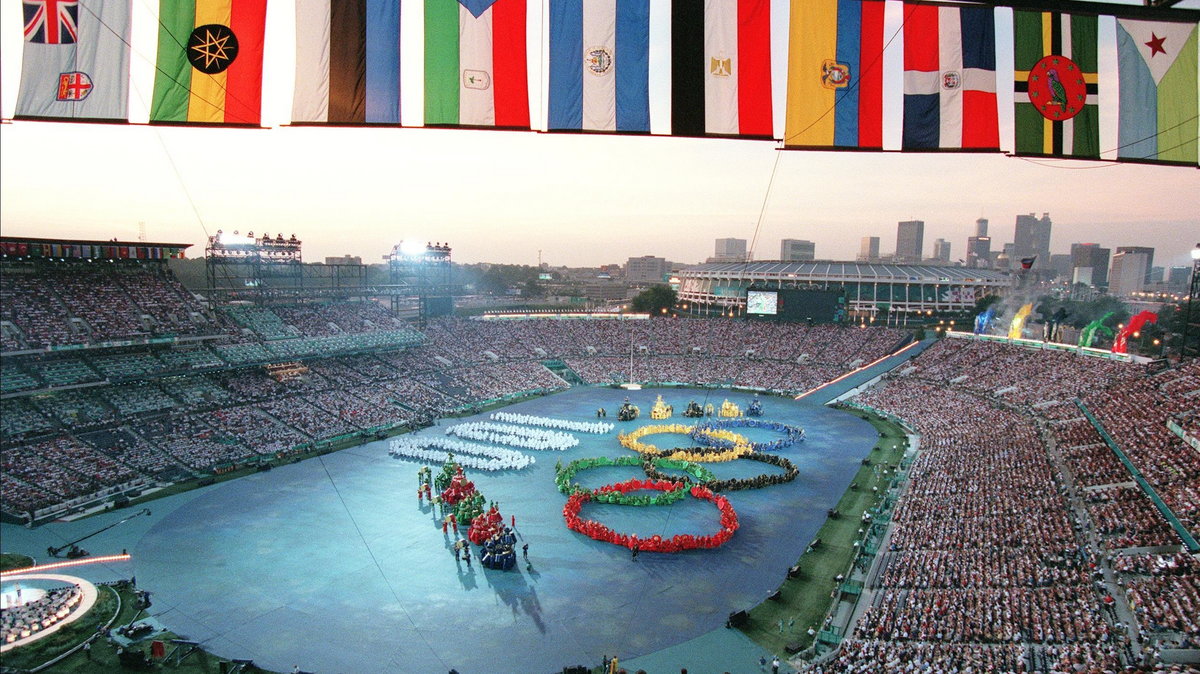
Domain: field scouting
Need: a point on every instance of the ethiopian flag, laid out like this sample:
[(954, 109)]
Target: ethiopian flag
[(209, 62), (1055, 84), (475, 63)]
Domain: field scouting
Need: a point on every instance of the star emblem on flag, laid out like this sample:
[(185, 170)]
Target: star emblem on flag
[(212, 48), (1156, 44)]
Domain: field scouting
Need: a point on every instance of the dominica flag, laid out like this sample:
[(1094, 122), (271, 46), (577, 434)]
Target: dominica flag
[(835, 74), (475, 63), (209, 62), (949, 78), (721, 68), (1157, 72), (599, 65), (347, 62), (1055, 84)]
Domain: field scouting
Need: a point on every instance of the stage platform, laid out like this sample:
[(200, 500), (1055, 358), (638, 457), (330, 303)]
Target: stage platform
[(331, 564)]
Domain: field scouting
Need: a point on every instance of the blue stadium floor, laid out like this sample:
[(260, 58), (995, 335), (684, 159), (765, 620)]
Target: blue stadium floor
[(330, 564)]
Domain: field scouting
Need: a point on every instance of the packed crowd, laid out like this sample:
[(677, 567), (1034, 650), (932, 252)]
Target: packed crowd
[(988, 553)]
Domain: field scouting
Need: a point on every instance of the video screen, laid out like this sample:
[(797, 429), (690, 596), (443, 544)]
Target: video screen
[(762, 302)]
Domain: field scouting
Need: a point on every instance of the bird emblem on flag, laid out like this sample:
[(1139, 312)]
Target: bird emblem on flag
[(720, 67), (1057, 88), (73, 86), (51, 21), (211, 48)]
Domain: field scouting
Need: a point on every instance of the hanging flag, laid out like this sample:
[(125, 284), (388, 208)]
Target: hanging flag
[(835, 74), (1055, 84), (209, 62), (75, 64), (721, 68), (600, 65), (475, 64), (1156, 69), (949, 78), (347, 62)]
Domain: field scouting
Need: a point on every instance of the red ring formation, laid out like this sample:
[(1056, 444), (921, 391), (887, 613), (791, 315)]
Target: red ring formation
[(594, 530)]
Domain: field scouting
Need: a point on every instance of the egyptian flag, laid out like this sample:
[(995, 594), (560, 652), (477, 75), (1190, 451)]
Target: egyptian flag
[(1027, 262), (209, 62), (835, 74), (475, 63), (949, 78), (1055, 84), (1157, 69), (347, 62), (599, 65), (721, 68)]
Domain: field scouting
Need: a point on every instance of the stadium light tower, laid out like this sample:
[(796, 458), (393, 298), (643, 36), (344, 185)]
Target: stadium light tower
[(1191, 321)]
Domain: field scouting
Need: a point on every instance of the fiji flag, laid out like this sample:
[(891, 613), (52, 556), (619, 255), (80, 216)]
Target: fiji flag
[(600, 65), (949, 78), (75, 62)]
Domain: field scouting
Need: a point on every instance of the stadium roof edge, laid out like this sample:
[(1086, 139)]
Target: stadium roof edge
[(821, 267), (90, 242)]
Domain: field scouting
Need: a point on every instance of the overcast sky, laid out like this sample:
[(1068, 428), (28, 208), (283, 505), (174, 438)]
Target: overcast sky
[(578, 200)]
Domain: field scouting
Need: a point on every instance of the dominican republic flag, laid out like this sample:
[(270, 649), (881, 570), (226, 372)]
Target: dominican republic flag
[(475, 63), (347, 62), (721, 68), (1157, 69), (75, 62), (949, 78), (835, 74), (600, 65)]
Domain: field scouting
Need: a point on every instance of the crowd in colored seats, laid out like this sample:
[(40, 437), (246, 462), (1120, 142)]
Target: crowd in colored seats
[(1014, 507)]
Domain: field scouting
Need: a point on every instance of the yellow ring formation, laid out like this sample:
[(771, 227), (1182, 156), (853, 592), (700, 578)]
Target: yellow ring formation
[(741, 445)]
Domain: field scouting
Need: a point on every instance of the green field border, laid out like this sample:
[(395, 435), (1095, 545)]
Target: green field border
[(806, 598)]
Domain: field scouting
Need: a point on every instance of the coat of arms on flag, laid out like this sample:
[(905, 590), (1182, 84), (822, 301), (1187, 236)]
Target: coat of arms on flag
[(74, 86), (51, 21)]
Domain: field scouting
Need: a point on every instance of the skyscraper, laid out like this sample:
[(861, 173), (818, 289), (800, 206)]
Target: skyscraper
[(868, 251), (941, 251), (1089, 264), (910, 241), (981, 227), (1148, 252), (979, 251), (1032, 238), (1128, 273), (797, 250), (730, 250)]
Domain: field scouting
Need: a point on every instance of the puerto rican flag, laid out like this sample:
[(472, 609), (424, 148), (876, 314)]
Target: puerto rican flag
[(51, 21), (950, 78)]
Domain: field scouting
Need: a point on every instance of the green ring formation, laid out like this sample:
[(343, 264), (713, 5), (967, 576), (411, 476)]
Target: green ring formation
[(564, 475)]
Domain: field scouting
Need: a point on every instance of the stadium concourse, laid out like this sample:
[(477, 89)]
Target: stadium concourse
[(1021, 539)]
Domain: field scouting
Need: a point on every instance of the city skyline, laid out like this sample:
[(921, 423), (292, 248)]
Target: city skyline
[(575, 200)]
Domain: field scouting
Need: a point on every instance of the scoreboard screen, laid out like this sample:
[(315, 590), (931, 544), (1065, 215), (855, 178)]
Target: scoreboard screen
[(760, 302)]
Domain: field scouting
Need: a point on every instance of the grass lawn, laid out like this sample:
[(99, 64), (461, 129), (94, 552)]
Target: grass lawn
[(806, 598)]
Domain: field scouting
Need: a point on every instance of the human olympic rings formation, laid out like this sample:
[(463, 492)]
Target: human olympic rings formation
[(740, 449), (707, 433), (678, 543), (632, 440), (701, 474)]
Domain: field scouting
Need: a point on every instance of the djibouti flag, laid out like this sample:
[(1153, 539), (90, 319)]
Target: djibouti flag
[(1156, 68), (209, 62), (1055, 84)]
